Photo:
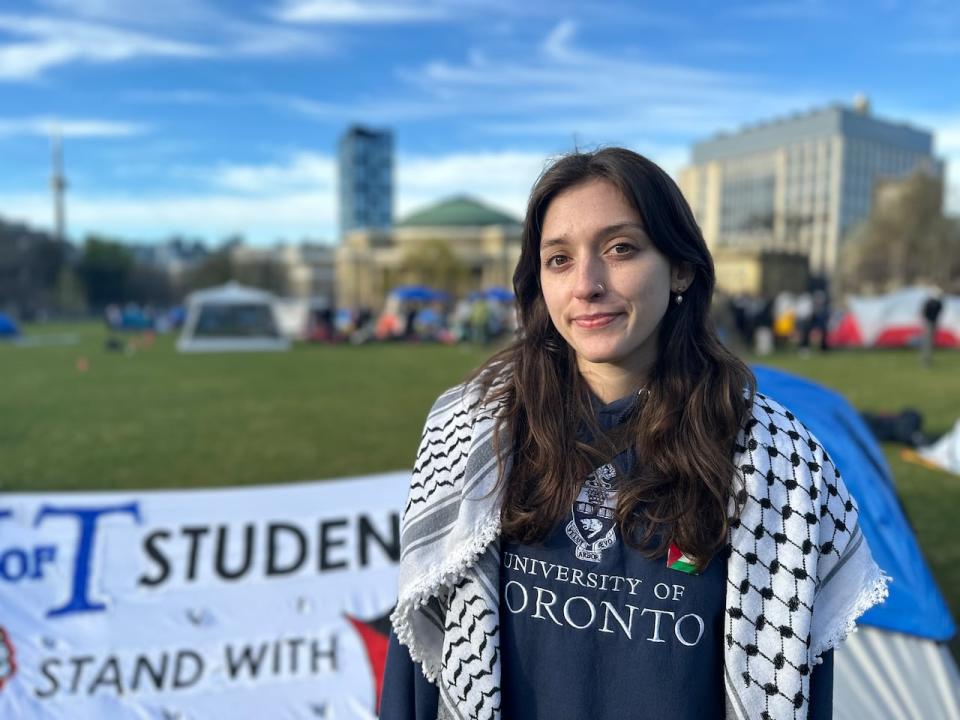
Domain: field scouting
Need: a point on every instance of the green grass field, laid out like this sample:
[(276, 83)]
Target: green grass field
[(158, 419)]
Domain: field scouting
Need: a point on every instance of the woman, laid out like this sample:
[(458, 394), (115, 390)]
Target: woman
[(608, 520)]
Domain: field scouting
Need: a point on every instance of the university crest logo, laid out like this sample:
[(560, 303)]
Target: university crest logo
[(8, 662), (594, 525)]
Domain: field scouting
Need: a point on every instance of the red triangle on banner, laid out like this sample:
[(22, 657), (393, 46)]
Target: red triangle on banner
[(375, 643)]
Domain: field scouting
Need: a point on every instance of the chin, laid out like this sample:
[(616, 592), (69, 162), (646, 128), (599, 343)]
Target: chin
[(600, 356)]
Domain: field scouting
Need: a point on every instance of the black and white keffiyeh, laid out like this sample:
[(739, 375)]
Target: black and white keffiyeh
[(799, 572)]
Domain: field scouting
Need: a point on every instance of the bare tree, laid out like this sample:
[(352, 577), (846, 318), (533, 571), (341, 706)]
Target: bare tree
[(433, 262), (905, 240)]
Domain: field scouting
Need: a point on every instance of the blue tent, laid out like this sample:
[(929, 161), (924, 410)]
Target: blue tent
[(8, 328), (915, 605)]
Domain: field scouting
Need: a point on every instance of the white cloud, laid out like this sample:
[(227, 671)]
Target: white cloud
[(614, 96), (309, 107), (563, 90), (502, 179), (304, 170), (104, 31), (176, 97), (291, 199), (260, 39), (379, 111), (56, 42), (557, 43), (355, 11), (264, 219), (69, 128), (134, 11), (297, 197)]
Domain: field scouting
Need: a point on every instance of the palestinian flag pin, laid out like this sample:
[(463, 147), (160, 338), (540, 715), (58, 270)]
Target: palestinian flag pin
[(676, 560)]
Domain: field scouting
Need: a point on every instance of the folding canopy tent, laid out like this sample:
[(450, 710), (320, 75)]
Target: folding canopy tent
[(231, 317), (896, 665)]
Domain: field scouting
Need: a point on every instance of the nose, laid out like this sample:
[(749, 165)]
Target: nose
[(590, 279)]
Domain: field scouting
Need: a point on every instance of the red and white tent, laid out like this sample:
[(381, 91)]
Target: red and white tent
[(895, 320)]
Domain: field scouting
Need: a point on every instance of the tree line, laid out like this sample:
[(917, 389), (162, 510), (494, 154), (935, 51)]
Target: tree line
[(41, 276)]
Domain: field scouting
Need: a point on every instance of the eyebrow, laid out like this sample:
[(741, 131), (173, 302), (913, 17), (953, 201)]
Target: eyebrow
[(601, 233)]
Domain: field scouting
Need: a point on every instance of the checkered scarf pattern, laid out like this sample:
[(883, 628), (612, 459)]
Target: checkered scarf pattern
[(799, 572)]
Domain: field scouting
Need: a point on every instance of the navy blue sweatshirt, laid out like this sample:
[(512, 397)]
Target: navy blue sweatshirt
[(590, 627)]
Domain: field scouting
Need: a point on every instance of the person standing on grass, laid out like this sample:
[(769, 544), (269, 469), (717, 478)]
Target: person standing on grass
[(932, 308), (804, 315), (607, 519)]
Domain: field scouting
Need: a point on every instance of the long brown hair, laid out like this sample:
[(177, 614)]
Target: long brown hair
[(685, 429)]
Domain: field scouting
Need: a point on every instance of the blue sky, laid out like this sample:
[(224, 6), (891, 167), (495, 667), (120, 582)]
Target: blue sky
[(209, 117)]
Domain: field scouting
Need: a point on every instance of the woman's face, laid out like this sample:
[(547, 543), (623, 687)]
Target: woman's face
[(606, 286)]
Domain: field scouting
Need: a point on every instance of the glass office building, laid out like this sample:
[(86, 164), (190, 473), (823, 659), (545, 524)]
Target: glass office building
[(800, 183), (366, 179)]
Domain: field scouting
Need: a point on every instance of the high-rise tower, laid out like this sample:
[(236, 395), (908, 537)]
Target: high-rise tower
[(58, 184), (366, 179)]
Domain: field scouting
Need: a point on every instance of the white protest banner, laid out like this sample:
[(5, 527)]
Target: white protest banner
[(261, 602)]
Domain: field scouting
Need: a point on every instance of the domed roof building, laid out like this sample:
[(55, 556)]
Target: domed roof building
[(457, 211), (459, 244)]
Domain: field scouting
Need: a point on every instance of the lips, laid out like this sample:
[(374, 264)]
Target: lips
[(595, 320)]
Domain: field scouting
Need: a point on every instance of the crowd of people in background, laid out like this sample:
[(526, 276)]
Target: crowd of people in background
[(481, 317), (763, 324), (749, 323), (426, 315)]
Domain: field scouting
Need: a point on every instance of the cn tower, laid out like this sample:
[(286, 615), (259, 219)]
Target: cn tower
[(58, 184)]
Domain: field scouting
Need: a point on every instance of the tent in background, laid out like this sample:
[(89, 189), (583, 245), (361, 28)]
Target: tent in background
[(417, 293), (231, 317), (297, 317), (944, 454), (895, 320), (897, 664), (8, 328), (500, 294), (395, 320)]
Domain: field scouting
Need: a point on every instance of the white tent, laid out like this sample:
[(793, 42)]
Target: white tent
[(885, 675), (895, 320), (295, 316), (231, 317), (945, 452)]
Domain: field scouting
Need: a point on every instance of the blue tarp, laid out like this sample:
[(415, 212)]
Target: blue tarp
[(915, 605), (418, 293), (8, 328), (501, 294), (135, 319)]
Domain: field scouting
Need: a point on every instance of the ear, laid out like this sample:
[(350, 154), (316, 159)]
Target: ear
[(681, 276)]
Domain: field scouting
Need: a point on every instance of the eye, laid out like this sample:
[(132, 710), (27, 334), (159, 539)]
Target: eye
[(622, 249), (556, 261)]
